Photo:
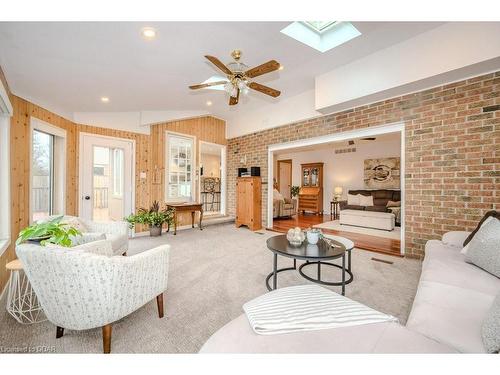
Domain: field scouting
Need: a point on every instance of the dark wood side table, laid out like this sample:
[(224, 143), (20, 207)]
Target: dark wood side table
[(186, 207), (335, 210)]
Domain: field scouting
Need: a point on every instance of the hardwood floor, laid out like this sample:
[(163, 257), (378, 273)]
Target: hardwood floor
[(361, 241)]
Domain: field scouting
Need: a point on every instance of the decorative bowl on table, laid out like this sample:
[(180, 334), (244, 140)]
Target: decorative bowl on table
[(295, 236)]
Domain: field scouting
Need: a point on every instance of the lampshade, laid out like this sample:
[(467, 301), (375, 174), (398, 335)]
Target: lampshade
[(338, 190)]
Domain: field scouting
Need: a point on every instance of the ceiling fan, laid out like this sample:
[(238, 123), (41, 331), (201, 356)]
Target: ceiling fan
[(239, 77), (362, 139)]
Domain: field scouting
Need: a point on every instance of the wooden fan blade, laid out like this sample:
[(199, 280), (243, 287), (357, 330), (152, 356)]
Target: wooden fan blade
[(219, 64), (202, 85), (267, 67), (233, 100), (264, 89)]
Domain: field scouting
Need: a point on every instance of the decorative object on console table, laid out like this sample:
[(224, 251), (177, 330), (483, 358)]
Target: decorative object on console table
[(249, 202), (186, 207), (311, 192), (337, 193)]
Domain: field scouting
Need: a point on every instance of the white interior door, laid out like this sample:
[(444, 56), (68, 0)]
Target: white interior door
[(106, 178)]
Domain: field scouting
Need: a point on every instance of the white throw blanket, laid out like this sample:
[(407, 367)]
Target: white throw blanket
[(307, 308)]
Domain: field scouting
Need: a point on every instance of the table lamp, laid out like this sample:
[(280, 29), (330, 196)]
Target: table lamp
[(337, 193)]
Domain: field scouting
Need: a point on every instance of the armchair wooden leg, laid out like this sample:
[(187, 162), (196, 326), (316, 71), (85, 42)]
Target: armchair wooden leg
[(106, 338), (159, 303), (59, 332)]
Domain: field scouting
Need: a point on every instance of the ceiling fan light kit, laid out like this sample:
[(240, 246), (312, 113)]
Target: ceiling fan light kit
[(239, 77)]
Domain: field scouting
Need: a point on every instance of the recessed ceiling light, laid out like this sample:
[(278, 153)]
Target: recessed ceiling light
[(209, 103), (104, 99), (148, 33)]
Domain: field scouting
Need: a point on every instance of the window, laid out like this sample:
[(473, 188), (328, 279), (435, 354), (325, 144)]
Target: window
[(5, 203), (118, 167), (179, 163), (321, 35), (4, 182), (319, 26), (47, 177), (42, 175)]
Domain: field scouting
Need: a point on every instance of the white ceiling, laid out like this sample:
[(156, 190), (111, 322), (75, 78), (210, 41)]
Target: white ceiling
[(67, 67)]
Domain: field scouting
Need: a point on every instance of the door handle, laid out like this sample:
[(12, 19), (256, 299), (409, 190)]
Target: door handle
[(87, 197)]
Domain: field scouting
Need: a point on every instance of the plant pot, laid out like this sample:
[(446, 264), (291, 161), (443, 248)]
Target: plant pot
[(155, 231)]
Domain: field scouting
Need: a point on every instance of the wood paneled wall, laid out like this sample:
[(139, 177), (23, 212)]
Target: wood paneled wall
[(149, 153)]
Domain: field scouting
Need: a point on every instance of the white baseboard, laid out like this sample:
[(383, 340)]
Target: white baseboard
[(214, 221)]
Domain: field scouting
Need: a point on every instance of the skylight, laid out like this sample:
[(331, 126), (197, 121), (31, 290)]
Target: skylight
[(319, 26), (321, 35)]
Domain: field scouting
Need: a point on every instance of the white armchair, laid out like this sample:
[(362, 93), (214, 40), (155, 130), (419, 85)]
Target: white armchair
[(115, 231), (84, 287)]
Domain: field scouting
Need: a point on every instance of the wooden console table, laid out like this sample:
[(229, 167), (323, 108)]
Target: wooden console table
[(186, 207)]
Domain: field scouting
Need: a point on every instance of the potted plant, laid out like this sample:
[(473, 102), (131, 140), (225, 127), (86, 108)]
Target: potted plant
[(294, 190), (154, 218), (50, 231)]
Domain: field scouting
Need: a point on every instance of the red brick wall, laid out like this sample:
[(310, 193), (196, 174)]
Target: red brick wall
[(452, 153)]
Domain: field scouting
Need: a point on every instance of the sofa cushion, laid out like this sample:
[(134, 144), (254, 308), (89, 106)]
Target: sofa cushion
[(445, 264), (365, 200), (490, 331), (450, 315), (393, 204), (484, 248), (353, 199), (376, 208), (492, 213), (454, 238), (118, 241)]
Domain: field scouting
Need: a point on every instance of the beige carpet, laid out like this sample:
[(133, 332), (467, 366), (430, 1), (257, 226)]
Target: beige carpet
[(212, 273)]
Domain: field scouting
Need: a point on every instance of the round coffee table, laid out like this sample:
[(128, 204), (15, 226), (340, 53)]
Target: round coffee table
[(318, 254)]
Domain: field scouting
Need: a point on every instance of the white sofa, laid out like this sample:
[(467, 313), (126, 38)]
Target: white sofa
[(452, 300), (368, 219), (86, 287)]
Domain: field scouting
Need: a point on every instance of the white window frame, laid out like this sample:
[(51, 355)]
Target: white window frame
[(6, 112), (117, 182), (168, 135), (59, 167)]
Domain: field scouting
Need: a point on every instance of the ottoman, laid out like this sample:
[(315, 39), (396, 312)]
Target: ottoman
[(368, 219)]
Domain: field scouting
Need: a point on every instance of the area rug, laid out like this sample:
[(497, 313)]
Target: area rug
[(212, 274), (335, 225)]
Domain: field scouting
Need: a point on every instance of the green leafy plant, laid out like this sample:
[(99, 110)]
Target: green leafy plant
[(154, 217), (50, 231), (294, 190)]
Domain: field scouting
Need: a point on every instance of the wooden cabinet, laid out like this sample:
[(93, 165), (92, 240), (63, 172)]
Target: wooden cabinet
[(311, 191), (249, 202)]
